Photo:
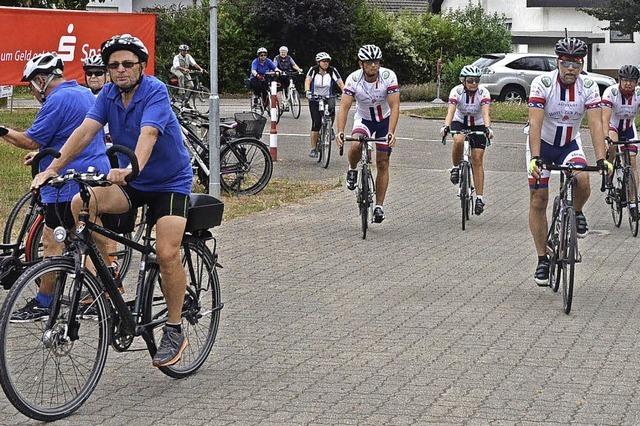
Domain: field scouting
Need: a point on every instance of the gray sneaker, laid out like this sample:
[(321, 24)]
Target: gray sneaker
[(170, 348), (30, 312)]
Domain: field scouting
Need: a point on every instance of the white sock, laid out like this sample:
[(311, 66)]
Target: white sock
[(479, 197), (378, 205)]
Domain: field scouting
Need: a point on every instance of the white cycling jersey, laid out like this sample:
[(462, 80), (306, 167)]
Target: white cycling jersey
[(564, 106), (371, 98), (623, 110), (469, 104)]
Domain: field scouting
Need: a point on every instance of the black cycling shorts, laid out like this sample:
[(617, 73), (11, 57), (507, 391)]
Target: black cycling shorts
[(59, 214), (160, 203), (476, 141)]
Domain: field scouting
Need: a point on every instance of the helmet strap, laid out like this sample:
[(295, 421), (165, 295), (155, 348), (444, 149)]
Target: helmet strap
[(44, 87)]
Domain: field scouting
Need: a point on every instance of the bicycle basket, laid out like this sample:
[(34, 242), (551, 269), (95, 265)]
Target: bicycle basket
[(250, 124), (204, 213)]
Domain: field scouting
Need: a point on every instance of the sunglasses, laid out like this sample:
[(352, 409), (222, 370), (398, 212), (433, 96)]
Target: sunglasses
[(263, 54), (126, 64), (472, 80), (373, 62), (99, 73), (570, 64)]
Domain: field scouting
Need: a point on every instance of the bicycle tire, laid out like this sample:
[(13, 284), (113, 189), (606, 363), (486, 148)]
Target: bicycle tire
[(295, 103), (245, 166), (464, 194), (16, 217), (615, 196), (632, 198), (198, 260), (569, 250), (325, 141), (319, 145), (34, 249), (201, 99), (72, 358), (364, 200), (555, 268)]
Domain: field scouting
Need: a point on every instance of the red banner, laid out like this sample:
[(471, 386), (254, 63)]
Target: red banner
[(74, 35)]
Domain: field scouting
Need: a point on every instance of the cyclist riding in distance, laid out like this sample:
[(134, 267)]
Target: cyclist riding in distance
[(138, 110), (558, 101), (377, 96), (621, 103), (469, 105), (320, 81), (181, 67), (285, 63), (259, 67), (64, 106)]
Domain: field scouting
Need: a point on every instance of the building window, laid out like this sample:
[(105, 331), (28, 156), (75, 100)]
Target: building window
[(508, 23), (618, 37)]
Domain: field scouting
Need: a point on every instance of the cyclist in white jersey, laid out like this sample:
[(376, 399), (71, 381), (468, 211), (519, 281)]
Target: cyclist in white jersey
[(469, 109), (377, 96), (558, 101), (621, 103)]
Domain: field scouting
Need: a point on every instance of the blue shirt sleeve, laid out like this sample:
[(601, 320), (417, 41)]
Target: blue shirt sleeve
[(98, 111), (270, 64), (45, 127), (254, 64), (157, 111)]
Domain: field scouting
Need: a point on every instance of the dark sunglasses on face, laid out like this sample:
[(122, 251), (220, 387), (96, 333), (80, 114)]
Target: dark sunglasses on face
[(263, 54), (126, 64), (570, 64), (472, 80), (98, 73)]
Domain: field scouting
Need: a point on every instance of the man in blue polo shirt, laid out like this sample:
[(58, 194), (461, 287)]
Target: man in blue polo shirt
[(138, 111), (259, 67), (64, 106)]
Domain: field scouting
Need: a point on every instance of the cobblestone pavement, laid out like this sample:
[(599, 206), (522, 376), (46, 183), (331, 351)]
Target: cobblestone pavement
[(419, 323)]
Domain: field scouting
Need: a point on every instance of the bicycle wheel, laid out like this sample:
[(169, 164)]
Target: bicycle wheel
[(325, 142), (200, 311), (245, 166), (464, 194), (568, 251), (294, 103), (632, 200), (16, 218), (319, 145), (46, 375), (364, 200), (34, 249), (555, 271), (201, 99)]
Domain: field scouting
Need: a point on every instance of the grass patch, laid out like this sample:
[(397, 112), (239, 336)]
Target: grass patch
[(419, 92), (500, 112), (279, 192), (19, 119)]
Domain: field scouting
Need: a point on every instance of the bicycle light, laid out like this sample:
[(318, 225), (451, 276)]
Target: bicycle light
[(59, 234)]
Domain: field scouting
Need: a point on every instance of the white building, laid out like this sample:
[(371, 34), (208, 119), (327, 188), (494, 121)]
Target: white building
[(134, 5), (537, 24)]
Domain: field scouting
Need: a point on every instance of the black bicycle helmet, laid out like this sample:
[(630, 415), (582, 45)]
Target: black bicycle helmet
[(629, 72), (124, 42), (571, 47)]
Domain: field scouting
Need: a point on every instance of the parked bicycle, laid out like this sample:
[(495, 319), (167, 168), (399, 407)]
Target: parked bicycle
[(326, 134), (366, 186), (466, 191), (71, 345), (245, 163), (291, 98), (622, 190), (562, 237)]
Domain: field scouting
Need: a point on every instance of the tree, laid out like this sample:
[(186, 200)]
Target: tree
[(623, 15)]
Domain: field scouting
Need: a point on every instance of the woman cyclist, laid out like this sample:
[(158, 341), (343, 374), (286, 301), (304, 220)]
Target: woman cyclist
[(469, 109), (320, 82)]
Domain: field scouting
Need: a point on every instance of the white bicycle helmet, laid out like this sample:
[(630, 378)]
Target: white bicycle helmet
[(470, 71), (46, 63), (322, 56), (262, 50), (369, 52), (94, 61), (284, 49), (124, 42), (183, 47)]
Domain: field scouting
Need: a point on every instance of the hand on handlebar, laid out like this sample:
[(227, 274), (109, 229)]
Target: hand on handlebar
[(391, 140), (534, 167), (340, 139), (118, 176), (260, 77), (444, 131), (604, 166), (42, 178), (28, 157)]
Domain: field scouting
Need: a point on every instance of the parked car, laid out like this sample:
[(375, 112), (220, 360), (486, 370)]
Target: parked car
[(508, 76)]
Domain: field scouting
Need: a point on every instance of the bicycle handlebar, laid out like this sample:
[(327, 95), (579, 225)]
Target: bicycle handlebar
[(35, 161), (135, 169), (465, 132), (633, 141), (363, 139)]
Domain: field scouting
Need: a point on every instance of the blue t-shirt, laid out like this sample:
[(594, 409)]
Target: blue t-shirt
[(168, 168), (62, 112), (264, 68)]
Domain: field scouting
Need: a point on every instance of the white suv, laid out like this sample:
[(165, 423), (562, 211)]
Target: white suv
[(508, 76)]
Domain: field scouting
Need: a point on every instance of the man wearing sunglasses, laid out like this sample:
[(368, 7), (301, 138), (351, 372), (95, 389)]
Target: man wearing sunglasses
[(95, 73), (64, 106), (259, 67), (137, 108), (469, 105), (558, 101)]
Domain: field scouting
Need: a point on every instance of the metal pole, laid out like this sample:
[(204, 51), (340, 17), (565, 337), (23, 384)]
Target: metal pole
[(214, 104)]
